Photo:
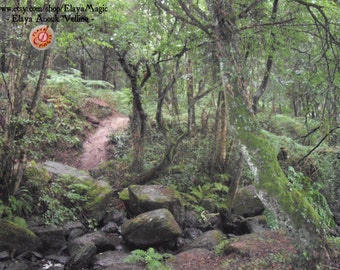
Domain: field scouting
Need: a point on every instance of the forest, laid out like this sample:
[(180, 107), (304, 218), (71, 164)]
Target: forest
[(215, 98)]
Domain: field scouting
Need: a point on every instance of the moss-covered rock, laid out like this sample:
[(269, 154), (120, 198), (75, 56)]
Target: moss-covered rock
[(97, 192), (246, 203), (16, 238), (151, 197), (151, 228), (208, 240)]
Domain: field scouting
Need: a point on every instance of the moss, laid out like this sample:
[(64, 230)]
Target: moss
[(269, 176), (124, 194), (13, 236)]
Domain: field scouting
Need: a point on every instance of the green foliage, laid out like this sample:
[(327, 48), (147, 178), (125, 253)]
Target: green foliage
[(312, 194), (271, 219), (215, 191), (150, 258), (220, 248)]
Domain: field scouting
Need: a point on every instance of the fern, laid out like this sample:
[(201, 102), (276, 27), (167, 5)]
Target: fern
[(152, 260)]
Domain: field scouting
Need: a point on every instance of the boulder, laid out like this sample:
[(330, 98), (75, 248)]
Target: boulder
[(52, 238), (99, 192), (81, 258), (151, 228), (151, 197), (246, 203), (109, 258), (58, 169), (257, 224), (17, 238), (73, 229), (207, 240), (103, 242), (97, 108)]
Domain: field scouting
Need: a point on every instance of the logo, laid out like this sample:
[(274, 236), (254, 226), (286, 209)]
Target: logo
[(42, 37)]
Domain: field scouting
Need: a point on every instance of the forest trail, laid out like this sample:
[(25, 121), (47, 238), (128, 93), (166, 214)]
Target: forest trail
[(95, 146)]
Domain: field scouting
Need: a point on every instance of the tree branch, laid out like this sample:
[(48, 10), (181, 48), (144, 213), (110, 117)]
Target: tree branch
[(315, 147)]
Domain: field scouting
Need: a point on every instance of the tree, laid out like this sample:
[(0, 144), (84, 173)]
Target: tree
[(18, 114), (224, 22)]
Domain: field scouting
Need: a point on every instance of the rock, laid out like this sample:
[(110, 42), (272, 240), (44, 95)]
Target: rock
[(151, 197), (82, 257), (109, 258), (4, 255), (151, 228), (20, 265), (115, 215), (111, 227), (58, 169), (16, 238), (52, 238), (103, 242), (73, 229), (257, 224), (92, 119), (97, 108), (99, 192), (208, 240), (192, 233), (247, 203)]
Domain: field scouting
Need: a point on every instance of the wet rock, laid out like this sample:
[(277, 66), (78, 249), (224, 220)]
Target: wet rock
[(4, 255), (72, 225), (52, 238), (109, 258), (247, 203), (111, 227), (207, 240), (116, 216), (151, 197), (151, 228), (20, 265), (82, 257), (16, 238), (103, 241), (192, 233)]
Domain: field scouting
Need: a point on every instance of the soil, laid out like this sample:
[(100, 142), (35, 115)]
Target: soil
[(95, 146)]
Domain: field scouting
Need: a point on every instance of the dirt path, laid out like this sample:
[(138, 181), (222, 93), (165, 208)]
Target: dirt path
[(95, 146)]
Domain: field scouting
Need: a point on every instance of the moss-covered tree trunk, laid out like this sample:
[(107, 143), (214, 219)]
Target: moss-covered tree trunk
[(272, 185)]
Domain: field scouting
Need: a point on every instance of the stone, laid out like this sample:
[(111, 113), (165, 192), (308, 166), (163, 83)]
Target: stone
[(58, 169), (151, 197), (246, 203), (99, 193), (109, 258), (257, 224), (111, 227), (151, 228), (17, 238), (208, 240), (81, 258), (92, 119), (52, 238), (103, 241), (98, 108)]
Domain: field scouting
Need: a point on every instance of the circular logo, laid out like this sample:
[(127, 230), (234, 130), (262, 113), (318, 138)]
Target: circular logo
[(42, 37)]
